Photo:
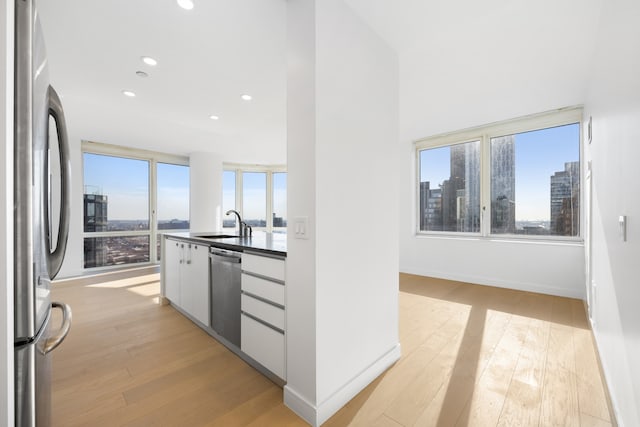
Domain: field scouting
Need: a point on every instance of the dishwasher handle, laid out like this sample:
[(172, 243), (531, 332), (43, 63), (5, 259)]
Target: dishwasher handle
[(228, 256)]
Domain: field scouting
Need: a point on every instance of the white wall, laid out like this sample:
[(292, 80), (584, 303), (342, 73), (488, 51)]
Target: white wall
[(6, 213), (300, 391), (205, 192), (342, 283), (356, 194), (614, 104)]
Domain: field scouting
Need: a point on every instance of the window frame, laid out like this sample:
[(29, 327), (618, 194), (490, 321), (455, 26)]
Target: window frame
[(549, 119), (153, 157), (239, 168)]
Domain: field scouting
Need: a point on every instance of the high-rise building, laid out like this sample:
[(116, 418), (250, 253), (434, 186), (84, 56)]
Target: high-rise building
[(430, 207), (471, 201), (424, 197), (278, 221), (461, 192), (95, 212), (95, 219), (565, 200), (450, 206), (503, 185)]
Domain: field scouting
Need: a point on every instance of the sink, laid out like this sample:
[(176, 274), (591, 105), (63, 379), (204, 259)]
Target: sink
[(217, 236)]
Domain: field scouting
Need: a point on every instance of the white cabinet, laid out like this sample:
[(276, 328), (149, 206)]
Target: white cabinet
[(264, 344), (194, 289), (263, 311), (172, 260), (186, 277)]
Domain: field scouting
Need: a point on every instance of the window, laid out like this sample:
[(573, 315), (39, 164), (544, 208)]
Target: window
[(258, 193), (117, 203), (229, 198), (254, 198), (279, 203), (535, 182), (450, 188), (123, 222), (532, 185)]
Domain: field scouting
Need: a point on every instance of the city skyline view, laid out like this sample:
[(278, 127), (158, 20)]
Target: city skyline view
[(538, 154), (129, 192), (254, 196)]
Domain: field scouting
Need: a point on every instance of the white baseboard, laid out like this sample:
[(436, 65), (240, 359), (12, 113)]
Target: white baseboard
[(301, 406), (518, 286), (316, 415)]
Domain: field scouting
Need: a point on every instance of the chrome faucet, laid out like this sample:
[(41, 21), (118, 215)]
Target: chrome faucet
[(244, 228)]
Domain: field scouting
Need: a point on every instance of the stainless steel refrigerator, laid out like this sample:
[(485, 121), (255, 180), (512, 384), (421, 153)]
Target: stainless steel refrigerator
[(38, 250)]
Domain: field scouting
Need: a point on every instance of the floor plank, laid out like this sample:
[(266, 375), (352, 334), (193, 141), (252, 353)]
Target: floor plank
[(471, 356)]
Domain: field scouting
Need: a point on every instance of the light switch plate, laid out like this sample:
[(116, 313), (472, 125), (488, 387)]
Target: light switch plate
[(300, 227), (622, 223)]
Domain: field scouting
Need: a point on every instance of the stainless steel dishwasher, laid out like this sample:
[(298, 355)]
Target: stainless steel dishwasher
[(225, 293)]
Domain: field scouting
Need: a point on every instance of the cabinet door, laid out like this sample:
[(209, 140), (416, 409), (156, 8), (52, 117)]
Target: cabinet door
[(264, 345), (194, 291), (172, 259)]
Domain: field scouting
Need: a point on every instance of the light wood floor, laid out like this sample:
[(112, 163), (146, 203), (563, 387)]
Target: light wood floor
[(472, 355)]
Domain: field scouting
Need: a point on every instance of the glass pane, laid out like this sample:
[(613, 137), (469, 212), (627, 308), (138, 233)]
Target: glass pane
[(450, 188), (118, 187), (254, 198), (103, 251), (173, 196), (228, 198), (535, 182), (280, 202)]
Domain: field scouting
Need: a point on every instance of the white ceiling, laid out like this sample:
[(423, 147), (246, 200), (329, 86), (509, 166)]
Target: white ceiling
[(462, 63), (465, 63), (207, 58)]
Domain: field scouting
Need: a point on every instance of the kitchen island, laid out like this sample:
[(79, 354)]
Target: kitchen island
[(260, 242), (233, 288)]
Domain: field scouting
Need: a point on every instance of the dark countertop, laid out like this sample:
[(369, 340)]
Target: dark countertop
[(259, 242)]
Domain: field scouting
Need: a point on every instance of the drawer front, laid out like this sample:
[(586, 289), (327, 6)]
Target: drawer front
[(264, 345), (263, 288), (263, 311), (264, 266)]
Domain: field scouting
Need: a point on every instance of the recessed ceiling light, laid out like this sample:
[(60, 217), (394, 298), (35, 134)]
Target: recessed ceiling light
[(214, 117), (149, 60), (185, 4), (141, 74), (246, 97), (128, 93)]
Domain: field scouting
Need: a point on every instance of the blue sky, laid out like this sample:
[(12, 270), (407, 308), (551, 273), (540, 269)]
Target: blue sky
[(254, 194), (538, 155), (173, 192), (126, 183)]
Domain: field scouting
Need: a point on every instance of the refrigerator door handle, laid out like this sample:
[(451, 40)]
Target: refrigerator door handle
[(56, 339), (56, 257)]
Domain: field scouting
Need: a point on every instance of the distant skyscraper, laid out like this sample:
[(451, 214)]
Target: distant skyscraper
[(424, 197), (461, 192), (471, 202), (95, 219), (278, 221), (451, 215), (95, 212), (565, 200), (503, 185), (430, 207)]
